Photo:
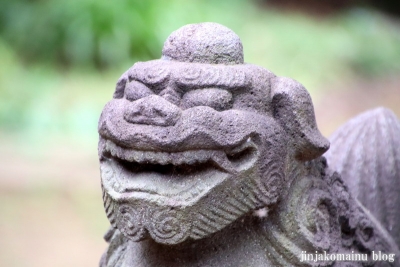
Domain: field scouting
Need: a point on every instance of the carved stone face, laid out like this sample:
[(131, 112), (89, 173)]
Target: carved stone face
[(189, 143)]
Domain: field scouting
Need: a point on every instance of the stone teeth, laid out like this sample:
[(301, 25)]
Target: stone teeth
[(114, 153), (163, 158), (242, 147), (221, 160), (146, 157), (191, 157)]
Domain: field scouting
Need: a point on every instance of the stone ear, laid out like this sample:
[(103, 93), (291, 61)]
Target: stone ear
[(293, 109)]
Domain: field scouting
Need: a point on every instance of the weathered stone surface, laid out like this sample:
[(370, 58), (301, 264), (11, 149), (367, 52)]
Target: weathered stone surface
[(366, 152), (192, 43), (207, 161)]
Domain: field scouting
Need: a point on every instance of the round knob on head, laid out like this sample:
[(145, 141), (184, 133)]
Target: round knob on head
[(207, 42)]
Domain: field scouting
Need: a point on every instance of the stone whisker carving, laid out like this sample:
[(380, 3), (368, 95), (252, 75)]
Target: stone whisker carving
[(208, 161)]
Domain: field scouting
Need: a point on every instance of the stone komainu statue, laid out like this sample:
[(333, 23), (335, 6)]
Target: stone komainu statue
[(208, 161)]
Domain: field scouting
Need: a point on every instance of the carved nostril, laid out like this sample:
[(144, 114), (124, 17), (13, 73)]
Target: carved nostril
[(152, 110)]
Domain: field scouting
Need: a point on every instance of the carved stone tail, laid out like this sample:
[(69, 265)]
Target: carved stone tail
[(366, 152)]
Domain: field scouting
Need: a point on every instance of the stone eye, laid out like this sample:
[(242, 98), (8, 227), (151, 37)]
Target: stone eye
[(135, 90), (218, 99)]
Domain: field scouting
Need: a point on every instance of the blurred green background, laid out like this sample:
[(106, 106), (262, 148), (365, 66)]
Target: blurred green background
[(60, 60)]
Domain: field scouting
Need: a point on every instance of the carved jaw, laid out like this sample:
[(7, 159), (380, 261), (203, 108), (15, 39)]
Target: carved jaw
[(165, 194), (181, 176)]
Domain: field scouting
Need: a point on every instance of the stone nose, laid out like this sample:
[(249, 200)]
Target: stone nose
[(152, 110)]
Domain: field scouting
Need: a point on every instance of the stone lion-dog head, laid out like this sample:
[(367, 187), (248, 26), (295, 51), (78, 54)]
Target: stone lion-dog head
[(195, 140)]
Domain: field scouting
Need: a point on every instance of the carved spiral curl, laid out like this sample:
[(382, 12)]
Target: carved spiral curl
[(151, 73), (190, 75), (211, 76), (129, 223), (167, 227), (365, 231), (155, 75), (270, 183), (315, 216), (235, 77), (310, 209)]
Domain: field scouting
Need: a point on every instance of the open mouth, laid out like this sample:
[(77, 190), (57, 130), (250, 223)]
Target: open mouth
[(186, 173)]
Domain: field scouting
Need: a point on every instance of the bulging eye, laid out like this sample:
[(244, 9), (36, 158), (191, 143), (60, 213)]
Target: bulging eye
[(135, 90), (218, 99)]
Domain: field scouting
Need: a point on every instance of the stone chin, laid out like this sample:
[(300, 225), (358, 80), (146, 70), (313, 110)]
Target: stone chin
[(175, 195)]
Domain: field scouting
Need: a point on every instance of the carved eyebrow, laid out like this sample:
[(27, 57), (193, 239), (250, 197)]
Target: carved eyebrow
[(191, 76), (202, 75)]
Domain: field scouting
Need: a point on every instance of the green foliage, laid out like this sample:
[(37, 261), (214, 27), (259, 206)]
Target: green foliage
[(102, 33), (41, 98), (77, 32), (106, 33), (376, 42)]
